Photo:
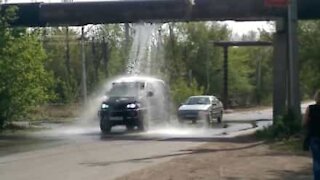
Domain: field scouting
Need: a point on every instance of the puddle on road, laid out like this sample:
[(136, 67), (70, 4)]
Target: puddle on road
[(185, 131), (60, 135)]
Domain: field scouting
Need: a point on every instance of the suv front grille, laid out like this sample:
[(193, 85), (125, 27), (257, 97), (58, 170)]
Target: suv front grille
[(118, 107)]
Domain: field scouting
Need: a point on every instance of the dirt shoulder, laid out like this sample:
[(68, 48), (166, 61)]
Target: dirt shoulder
[(239, 158)]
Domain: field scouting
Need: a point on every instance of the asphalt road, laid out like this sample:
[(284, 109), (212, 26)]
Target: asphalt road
[(80, 151)]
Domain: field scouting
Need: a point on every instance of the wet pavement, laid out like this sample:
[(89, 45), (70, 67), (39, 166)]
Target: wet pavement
[(61, 134), (80, 151)]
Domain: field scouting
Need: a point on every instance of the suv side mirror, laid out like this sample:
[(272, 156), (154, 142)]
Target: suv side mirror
[(150, 94)]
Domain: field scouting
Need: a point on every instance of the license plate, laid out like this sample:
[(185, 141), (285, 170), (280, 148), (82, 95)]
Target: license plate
[(190, 115), (116, 118)]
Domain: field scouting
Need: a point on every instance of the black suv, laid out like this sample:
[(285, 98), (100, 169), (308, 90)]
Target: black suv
[(133, 102)]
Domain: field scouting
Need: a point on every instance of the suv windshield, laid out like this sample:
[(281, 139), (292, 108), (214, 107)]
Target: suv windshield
[(198, 100), (125, 89)]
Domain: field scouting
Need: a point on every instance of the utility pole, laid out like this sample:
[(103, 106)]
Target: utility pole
[(68, 53), (258, 72), (225, 77), (105, 55), (293, 64), (207, 69), (84, 71), (67, 48)]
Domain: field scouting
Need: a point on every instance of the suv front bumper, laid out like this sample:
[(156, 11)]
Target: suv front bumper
[(124, 117)]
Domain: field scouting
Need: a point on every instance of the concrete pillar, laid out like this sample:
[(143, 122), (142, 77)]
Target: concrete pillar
[(280, 69), (293, 61)]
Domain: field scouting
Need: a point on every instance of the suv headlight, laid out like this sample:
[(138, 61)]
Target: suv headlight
[(132, 106), (104, 106)]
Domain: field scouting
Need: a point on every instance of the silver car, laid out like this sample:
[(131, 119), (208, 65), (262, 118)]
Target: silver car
[(201, 107)]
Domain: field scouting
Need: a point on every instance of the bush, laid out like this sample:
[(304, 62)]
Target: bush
[(283, 128)]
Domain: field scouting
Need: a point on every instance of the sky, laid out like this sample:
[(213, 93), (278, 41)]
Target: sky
[(238, 28), (244, 27)]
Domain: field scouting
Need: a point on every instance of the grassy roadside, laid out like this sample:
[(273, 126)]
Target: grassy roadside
[(292, 145), (286, 134), (53, 113)]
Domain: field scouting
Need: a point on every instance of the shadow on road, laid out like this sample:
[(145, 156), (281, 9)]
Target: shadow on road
[(16, 143), (11, 144), (142, 137)]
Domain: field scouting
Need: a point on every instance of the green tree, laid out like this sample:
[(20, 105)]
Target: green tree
[(181, 90), (117, 50), (309, 55), (192, 58), (24, 83), (240, 87), (200, 54), (66, 82)]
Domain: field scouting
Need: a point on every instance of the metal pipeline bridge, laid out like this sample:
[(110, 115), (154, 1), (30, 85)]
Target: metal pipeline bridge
[(131, 11)]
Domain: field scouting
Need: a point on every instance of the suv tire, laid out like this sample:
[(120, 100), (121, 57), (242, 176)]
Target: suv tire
[(105, 125), (219, 119)]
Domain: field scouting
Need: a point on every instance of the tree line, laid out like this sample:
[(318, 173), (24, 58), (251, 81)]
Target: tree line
[(43, 65)]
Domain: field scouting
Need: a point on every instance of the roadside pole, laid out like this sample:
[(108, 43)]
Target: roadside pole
[(67, 53), (225, 77), (84, 71)]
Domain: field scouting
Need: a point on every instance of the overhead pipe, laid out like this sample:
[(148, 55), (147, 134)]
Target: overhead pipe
[(82, 13)]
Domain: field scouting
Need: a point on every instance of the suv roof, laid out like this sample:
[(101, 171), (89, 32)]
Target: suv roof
[(137, 79), (202, 96)]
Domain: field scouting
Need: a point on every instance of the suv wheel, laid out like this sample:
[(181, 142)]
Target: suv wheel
[(130, 127), (219, 119), (105, 125), (142, 124), (209, 120)]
